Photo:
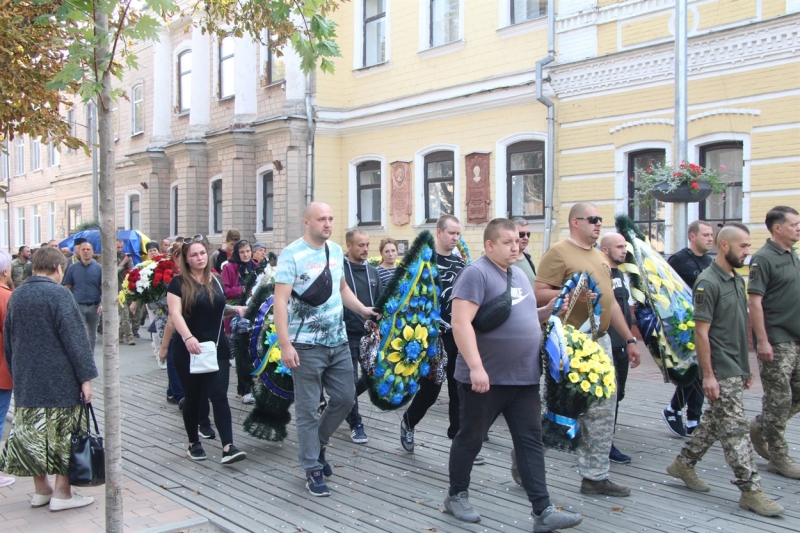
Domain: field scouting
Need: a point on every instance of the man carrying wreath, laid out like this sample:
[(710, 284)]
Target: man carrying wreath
[(578, 254)]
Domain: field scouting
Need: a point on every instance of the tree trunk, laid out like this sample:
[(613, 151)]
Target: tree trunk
[(107, 194)]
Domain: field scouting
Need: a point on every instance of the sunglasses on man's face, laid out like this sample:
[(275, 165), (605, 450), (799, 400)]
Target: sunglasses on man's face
[(591, 220), (524, 234)]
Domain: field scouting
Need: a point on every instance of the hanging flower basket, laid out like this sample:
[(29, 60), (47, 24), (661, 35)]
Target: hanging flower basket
[(685, 192), (686, 183)]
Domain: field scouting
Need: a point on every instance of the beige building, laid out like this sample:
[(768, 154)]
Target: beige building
[(437, 88)]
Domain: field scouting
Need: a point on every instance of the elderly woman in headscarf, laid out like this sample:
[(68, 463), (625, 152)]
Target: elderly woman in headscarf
[(235, 271)]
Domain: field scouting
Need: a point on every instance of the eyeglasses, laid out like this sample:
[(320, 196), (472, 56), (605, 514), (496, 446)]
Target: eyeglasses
[(523, 234), (591, 220), (189, 240)]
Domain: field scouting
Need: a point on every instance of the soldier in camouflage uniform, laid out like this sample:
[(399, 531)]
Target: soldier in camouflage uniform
[(774, 289), (123, 264), (720, 315)]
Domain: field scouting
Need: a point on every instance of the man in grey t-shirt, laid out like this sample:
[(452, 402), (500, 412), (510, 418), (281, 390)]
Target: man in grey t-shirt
[(498, 372)]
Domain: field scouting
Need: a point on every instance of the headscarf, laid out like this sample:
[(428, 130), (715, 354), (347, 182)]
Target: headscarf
[(244, 268)]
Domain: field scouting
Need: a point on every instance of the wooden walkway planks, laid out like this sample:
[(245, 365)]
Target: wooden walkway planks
[(378, 487)]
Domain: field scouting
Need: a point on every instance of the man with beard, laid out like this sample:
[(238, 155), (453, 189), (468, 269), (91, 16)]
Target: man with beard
[(773, 290), (720, 315)]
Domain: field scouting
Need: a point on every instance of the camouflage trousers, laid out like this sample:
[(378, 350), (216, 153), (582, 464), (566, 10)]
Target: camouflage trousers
[(781, 400), (596, 428), (724, 420), (125, 331), (136, 318)]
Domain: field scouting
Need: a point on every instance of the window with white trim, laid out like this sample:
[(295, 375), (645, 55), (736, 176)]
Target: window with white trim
[(74, 218), (36, 154), (137, 110), (4, 228), (51, 221), (72, 127), (525, 10), (728, 159), (650, 219), (19, 228), (19, 155), (444, 24), (185, 81), (267, 199), (275, 67), (173, 210), (53, 154), (226, 67), (216, 206), (115, 122), (134, 212), (368, 193), (439, 185), (374, 32), (91, 123), (5, 162), (525, 163), (37, 225)]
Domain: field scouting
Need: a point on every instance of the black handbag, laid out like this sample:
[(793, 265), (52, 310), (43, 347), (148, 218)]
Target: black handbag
[(87, 458), (321, 288), (493, 313)]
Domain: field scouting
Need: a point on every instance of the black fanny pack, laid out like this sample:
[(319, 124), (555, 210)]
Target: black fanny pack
[(321, 289), (493, 313)]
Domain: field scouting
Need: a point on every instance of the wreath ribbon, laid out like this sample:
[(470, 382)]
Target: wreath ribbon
[(570, 423), (257, 362)]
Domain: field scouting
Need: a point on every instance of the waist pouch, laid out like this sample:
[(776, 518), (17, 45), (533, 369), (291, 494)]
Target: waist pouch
[(321, 289), (493, 313)]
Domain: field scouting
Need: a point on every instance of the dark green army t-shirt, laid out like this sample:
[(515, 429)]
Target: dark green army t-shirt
[(775, 275), (720, 300)]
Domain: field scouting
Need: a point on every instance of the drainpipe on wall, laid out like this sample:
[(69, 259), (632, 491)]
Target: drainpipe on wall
[(549, 176), (310, 143)]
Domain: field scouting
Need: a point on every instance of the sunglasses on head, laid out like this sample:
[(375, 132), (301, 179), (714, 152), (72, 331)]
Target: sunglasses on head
[(188, 240), (591, 220), (523, 234)]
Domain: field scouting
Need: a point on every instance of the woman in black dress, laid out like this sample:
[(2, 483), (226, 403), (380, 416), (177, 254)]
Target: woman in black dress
[(197, 305)]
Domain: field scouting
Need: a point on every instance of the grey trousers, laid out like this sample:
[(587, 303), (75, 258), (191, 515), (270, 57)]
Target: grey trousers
[(90, 319), (331, 368)]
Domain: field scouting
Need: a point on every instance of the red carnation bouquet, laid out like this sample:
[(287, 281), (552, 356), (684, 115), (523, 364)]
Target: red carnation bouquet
[(148, 281)]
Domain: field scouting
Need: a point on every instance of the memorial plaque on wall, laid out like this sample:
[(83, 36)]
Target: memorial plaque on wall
[(478, 192), (401, 193)]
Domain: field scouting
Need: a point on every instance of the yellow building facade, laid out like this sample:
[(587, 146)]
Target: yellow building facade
[(434, 83)]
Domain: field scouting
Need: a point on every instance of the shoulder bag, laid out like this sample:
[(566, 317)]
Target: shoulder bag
[(493, 313), (321, 289), (87, 458), (206, 361)]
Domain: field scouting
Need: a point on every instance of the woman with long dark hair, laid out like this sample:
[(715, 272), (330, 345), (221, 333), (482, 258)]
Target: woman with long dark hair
[(197, 306)]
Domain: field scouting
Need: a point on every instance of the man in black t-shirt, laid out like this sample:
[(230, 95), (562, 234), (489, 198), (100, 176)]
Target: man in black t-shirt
[(614, 246), (689, 263)]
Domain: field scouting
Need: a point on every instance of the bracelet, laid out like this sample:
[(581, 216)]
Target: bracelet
[(187, 338)]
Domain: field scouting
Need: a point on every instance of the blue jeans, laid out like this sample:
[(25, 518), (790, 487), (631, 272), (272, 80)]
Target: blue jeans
[(320, 366), (174, 387), (5, 402)]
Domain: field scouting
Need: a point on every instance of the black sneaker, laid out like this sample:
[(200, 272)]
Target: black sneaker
[(206, 432), (180, 403), (233, 455), (196, 452), (315, 484), (358, 435), (674, 422), (172, 400), (618, 457), (690, 430), (406, 437), (327, 471), (479, 460)]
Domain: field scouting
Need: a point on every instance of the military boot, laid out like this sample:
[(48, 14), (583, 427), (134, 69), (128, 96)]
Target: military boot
[(759, 444), (759, 503), (687, 474), (785, 466)]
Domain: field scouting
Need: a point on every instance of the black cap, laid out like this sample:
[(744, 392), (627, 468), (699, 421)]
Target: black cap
[(79, 241), (151, 244)]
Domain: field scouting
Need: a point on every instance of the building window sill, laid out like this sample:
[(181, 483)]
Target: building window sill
[(377, 68), (522, 28), (226, 98), (441, 50)]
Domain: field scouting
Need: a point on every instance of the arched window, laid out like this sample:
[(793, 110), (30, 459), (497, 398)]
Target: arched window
[(368, 193), (185, 81), (134, 210), (525, 179), (650, 219), (137, 110), (216, 203), (267, 199), (439, 185)]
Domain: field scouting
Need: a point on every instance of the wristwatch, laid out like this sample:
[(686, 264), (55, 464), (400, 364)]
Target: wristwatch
[(632, 340)]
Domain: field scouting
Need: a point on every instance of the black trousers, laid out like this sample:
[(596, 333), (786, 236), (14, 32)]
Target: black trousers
[(354, 417), (620, 356), (215, 384), (429, 391), (690, 396), (521, 407)]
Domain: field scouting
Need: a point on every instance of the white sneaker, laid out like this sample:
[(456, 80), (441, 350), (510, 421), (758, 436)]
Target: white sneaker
[(248, 399), (5, 481), (58, 504)]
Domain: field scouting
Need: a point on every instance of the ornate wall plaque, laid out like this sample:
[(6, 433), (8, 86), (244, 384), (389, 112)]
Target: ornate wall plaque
[(478, 191), (401, 193)]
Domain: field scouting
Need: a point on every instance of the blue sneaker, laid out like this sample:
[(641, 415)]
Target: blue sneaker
[(616, 456), (327, 471), (315, 484)]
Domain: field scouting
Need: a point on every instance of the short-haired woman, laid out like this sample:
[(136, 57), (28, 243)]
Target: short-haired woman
[(44, 331), (388, 249), (197, 305)]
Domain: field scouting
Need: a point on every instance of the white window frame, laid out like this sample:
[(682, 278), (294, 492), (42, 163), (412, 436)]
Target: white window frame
[(419, 180), (260, 197), (53, 154), (72, 127), (174, 213), (352, 188), (51, 221), (36, 216), (425, 50), (19, 156), (500, 168), (218, 67), (183, 46), (127, 208), (137, 129), (693, 149), (4, 229), (358, 36), (36, 154), (211, 229), (5, 162), (19, 228), (507, 29)]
